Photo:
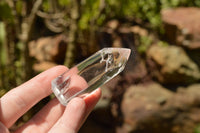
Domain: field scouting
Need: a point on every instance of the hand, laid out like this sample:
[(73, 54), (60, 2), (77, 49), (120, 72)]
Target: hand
[(53, 117)]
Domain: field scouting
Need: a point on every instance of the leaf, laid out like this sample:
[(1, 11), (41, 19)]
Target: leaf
[(197, 129), (6, 12), (64, 2)]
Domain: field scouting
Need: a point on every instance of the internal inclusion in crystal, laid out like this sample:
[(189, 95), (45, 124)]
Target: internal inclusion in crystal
[(90, 74)]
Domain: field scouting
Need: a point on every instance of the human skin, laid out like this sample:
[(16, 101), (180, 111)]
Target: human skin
[(53, 117)]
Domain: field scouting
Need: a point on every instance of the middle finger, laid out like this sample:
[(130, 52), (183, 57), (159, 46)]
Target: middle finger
[(44, 119)]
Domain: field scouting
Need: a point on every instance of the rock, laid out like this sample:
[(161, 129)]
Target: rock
[(140, 102), (113, 24), (153, 109), (173, 65), (135, 71), (139, 30), (42, 66), (184, 108), (51, 49), (192, 91), (182, 26)]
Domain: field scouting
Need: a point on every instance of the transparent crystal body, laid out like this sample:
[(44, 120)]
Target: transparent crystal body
[(90, 74)]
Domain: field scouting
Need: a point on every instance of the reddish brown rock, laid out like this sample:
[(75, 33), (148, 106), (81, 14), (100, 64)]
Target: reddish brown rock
[(39, 67), (51, 49), (153, 109), (182, 26), (141, 102)]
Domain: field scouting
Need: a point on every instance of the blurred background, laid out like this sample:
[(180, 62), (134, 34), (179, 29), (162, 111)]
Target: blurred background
[(159, 90)]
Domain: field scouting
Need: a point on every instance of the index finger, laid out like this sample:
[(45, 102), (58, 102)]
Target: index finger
[(19, 100)]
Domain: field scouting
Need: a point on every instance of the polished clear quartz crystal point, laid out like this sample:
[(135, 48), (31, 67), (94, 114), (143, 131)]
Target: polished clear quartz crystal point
[(90, 74)]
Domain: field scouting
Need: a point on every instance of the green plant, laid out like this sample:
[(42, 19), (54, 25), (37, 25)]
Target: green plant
[(145, 42), (197, 129)]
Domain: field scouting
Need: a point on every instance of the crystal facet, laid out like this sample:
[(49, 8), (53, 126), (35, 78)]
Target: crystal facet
[(90, 74)]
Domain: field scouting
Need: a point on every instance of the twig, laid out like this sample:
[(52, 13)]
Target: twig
[(50, 16), (28, 33), (32, 17), (54, 26)]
